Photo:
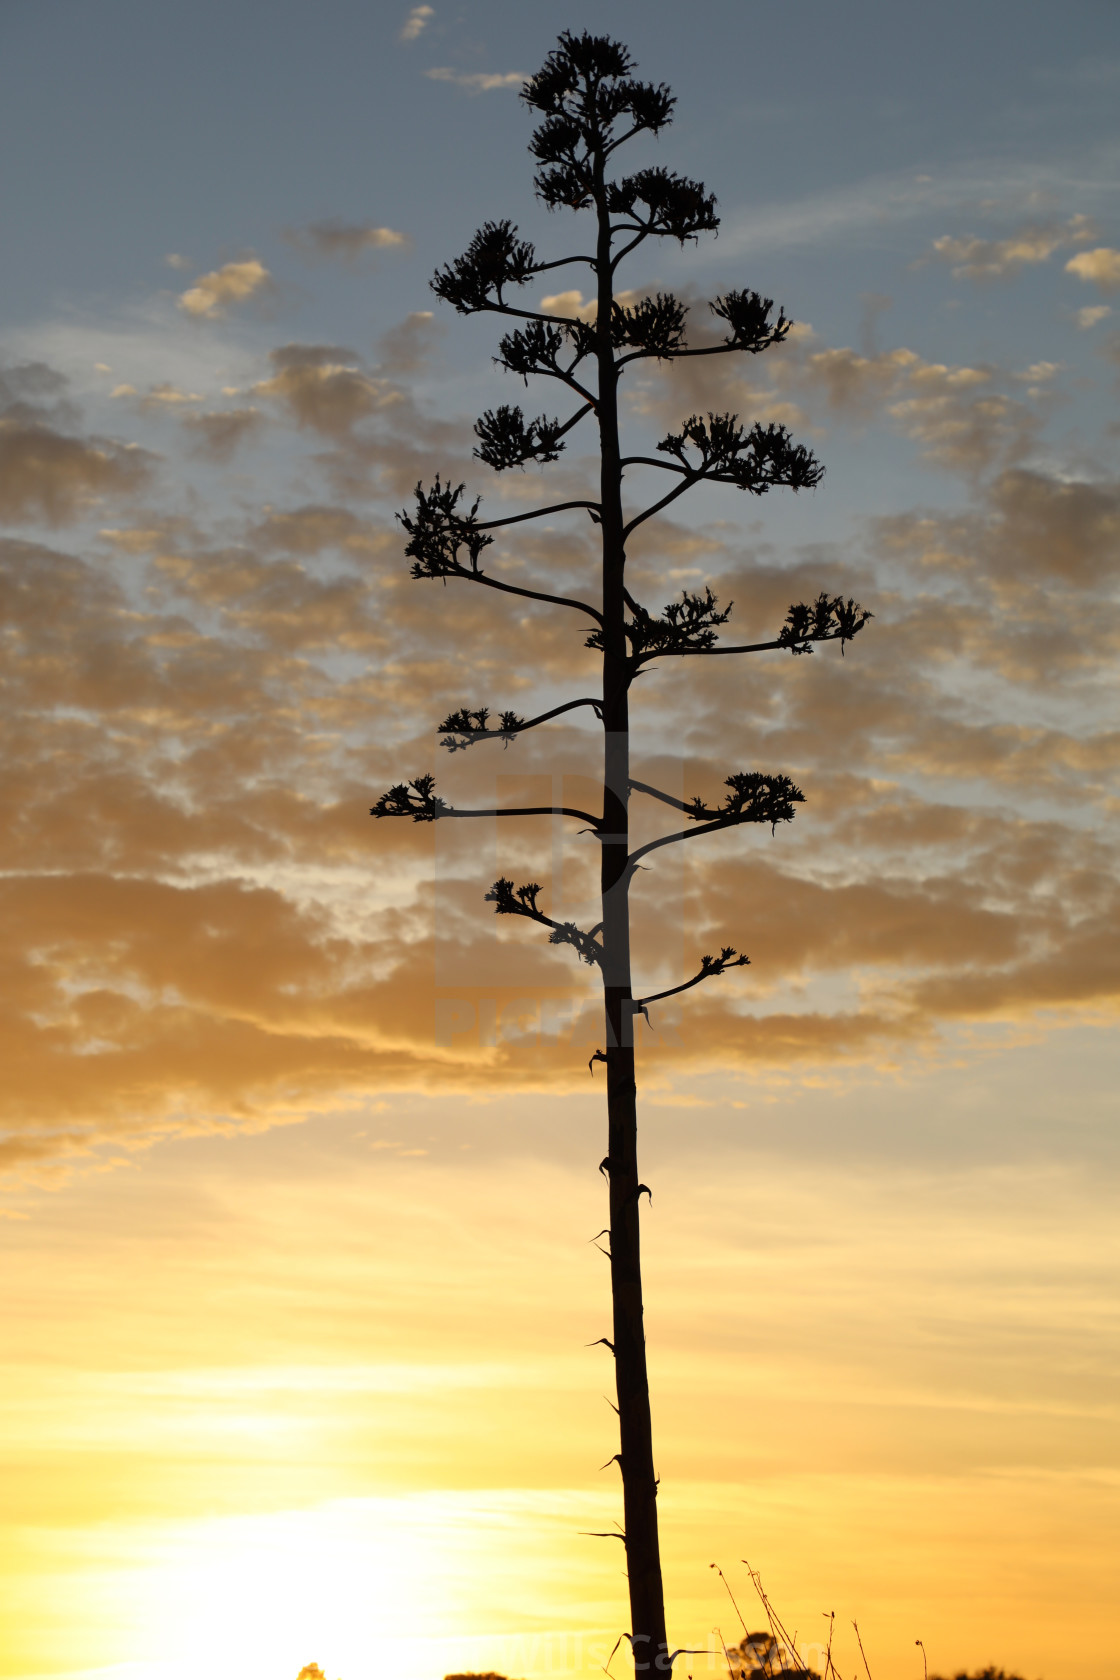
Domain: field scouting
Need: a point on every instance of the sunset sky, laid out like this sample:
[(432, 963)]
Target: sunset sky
[(299, 1143)]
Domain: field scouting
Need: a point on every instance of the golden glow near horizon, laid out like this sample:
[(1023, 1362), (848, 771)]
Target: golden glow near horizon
[(353, 1420), (298, 1140)]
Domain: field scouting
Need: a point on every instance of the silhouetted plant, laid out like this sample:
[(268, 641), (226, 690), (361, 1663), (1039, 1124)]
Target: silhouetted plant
[(591, 105), (989, 1673)]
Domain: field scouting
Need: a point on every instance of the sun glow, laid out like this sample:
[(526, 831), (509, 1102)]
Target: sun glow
[(410, 1586)]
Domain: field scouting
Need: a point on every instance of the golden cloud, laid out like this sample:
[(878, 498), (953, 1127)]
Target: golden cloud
[(207, 928), (1101, 266), (995, 259), (416, 22), (234, 282)]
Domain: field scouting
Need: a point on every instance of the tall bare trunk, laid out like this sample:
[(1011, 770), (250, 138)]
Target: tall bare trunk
[(639, 1484)]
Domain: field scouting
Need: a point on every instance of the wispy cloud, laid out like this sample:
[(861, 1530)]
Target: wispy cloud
[(348, 241), (876, 201), (212, 293), (416, 22), (478, 81)]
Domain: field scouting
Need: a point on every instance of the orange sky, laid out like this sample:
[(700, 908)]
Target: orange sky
[(298, 1141), (286, 1398)]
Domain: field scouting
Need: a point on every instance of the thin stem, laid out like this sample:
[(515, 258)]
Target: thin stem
[(693, 478), (562, 262), (563, 375), (686, 986), (731, 1596), (529, 594), (747, 647), (537, 513), (522, 728), (651, 461), (502, 308), (656, 793), (587, 408), (643, 234), (679, 355), (685, 834)]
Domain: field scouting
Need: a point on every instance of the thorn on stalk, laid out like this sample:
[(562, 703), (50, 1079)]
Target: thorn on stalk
[(606, 1667), (602, 1342), (615, 1458), (598, 1056), (605, 1168)]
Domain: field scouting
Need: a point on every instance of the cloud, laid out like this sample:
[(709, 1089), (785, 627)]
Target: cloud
[(416, 22), (1092, 314), (405, 348), (33, 392), (969, 419), (995, 259), (167, 395), (345, 240), (478, 81), (212, 293), (50, 476), (570, 303), (323, 387), (1101, 266), (206, 928), (217, 435)]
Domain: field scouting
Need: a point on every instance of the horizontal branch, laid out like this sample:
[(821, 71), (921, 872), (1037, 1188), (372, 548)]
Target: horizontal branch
[(745, 647), (679, 355), (497, 308), (764, 647), (531, 811), (418, 799)]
